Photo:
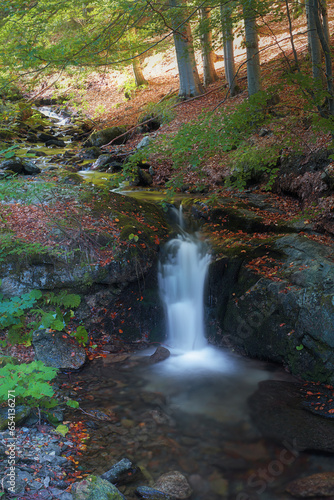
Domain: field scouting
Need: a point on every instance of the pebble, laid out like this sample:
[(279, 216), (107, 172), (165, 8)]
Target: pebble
[(40, 468)]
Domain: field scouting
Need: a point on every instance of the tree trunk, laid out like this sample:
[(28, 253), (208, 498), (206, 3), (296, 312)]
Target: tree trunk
[(320, 7), (227, 29), (313, 41), (138, 72), (209, 72), (190, 85), (252, 47)]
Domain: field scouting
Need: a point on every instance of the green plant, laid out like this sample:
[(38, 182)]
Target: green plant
[(20, 316), (30, 382), (30, 385)]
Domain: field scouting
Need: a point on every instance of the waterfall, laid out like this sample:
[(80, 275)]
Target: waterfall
[(182, 274)]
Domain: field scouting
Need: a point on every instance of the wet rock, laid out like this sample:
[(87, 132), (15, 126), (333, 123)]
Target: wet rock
[(55, 142), (13, 164), (317, 485), (151, 494), (43, 137), (90, 153), (29, 168), (95, 488), (21, 414), (174, 484), (142, 178), (122, 472), (288, 319), (277, 411), (101, 137), (160, 354), (103, 162), (58, 350)]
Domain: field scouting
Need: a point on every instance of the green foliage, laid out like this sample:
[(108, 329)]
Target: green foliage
[(163, 110), (30, 383), (20, 316), (253, 164)]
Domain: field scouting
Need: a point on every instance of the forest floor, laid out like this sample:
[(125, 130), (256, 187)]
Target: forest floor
[(101, 95)]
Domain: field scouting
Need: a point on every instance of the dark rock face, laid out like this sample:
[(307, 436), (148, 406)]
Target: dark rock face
[(289, 320), (58, 350)]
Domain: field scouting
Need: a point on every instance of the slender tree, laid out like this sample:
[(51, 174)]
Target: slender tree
[(190, 85), (227, 29), (252, 47), (313, 41), (209, 72)]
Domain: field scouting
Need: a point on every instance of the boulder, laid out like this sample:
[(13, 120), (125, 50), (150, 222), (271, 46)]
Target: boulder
[(103, 162), (287, 318), (21, 414), (160, 354), (95, 488), (13, 164), (101, 137), (29, 168), (317, 485), (174, 484), (58, 349)]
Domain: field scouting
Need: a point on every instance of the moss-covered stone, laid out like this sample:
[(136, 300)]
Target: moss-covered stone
[(95, 488)]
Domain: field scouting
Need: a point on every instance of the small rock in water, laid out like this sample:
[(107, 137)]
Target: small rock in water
[(160, 354), (174, 484), (94, 487), (151, 494), (122, 472), (317, 485)]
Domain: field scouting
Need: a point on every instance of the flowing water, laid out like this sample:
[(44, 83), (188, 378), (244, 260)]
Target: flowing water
[(188, 413)]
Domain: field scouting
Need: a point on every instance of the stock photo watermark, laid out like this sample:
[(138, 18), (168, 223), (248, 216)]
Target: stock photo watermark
[(264, 476), (11, 443)]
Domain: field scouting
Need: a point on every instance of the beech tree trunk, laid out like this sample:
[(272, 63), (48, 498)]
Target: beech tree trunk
[(138, 72), (190, 85), (229, 64), (319, 9), (209, 72), (252, 48), (313, 41)]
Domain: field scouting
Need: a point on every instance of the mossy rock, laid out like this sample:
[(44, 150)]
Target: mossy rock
[(95, 488), (101, 137)]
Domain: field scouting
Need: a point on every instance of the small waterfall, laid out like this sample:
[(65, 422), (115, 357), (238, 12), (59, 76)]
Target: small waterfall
[(182, 275)]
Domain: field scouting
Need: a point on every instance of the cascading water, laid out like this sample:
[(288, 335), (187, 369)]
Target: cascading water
[(181, 279)]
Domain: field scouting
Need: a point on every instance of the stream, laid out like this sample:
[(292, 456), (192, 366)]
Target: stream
[(189, 412)]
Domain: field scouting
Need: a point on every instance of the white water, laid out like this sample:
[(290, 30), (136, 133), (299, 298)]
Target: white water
[(181, 280)]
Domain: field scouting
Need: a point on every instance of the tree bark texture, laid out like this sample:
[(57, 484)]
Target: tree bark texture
[(190, 85), (313, 41), (229, 64), (209, 72), (252, 48)]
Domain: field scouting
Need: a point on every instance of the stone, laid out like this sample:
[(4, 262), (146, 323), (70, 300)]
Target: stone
[(144, 142), (29, 168), (160, 354), (95, 488), (55, 142), (13, 164), (122, 472), (101, 137), (58, 349), (151, 493), (174, 484), (21, 414), (317, 485), (102, 162)]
